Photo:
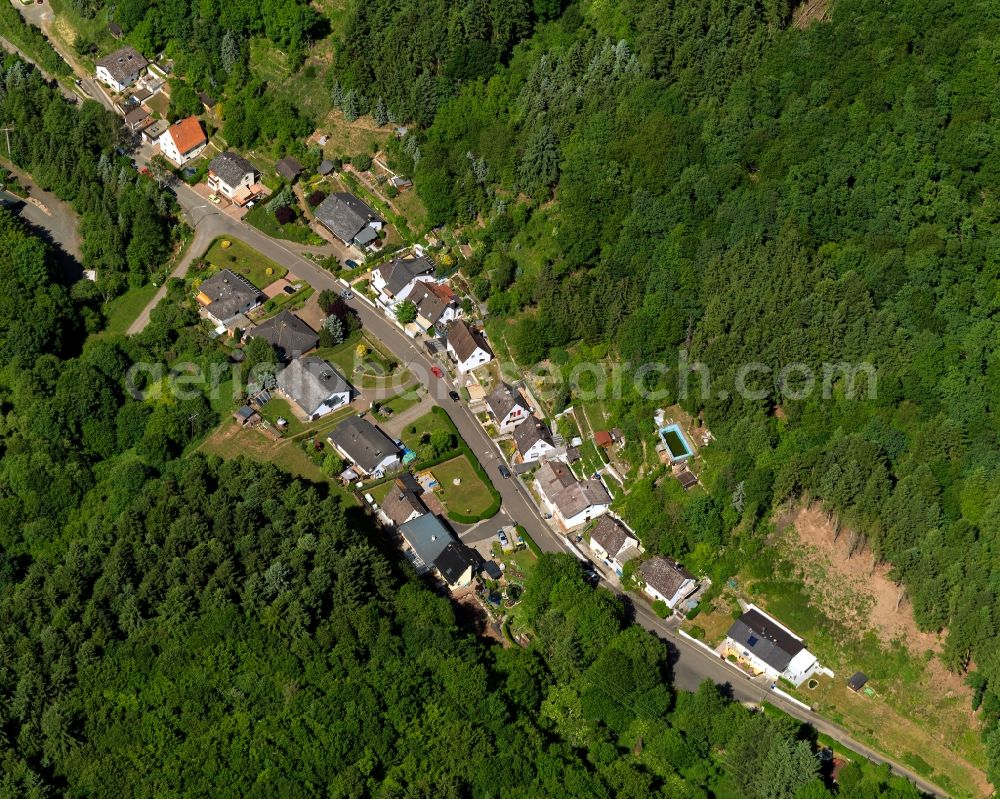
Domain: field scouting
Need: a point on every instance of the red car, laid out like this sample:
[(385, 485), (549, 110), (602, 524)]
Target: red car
[(436, 372)]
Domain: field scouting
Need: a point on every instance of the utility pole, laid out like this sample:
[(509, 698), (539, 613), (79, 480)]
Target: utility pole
[(7, 131), (191, 419)]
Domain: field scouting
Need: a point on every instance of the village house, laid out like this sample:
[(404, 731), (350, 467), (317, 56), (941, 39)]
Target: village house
[(394, 279), (137, 119), (571, 502), (287, 333), (426, 538), (233, 177), (372, 452), (120, 69), (349, 219), (613, 543), (401, 505), (666, 581), (315, 386), (765, 646), (533, 442), (457, 564), (467, 347), (226, 296), (183, 141), (507, 407), (436, 304)]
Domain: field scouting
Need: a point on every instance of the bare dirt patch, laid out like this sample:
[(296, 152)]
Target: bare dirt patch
[(842, 572), (809, 12)]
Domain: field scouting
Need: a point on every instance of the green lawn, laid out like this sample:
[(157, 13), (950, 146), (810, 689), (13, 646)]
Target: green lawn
[(296, 231), (425, 425), (405, 399), (280, 407), (123, 311), (470, 497), (244, 260), (289, 301)]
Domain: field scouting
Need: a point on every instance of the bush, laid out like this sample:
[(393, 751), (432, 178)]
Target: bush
[(693, 612), (315, 198), (697, 632), (661, 609), (362, 162), (285, 215)]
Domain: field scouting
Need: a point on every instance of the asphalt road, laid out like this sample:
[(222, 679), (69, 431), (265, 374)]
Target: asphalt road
[(691, 664)]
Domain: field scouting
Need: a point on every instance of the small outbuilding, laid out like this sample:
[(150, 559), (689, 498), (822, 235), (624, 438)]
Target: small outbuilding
[(288, 168), (858, 681)]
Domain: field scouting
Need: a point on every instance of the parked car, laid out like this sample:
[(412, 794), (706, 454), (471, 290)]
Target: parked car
[(591, 576), (250, 204), (290, 289), (436, 372), (347, 294), (453, 395), (350, 264), (502, 538), (504, 471), (214, 198)]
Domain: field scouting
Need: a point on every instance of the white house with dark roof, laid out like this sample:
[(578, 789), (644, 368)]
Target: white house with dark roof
[(572, 502), (371, 451), (349, 219), (120, 69), (467, 347), (765, 646), (395, 279), (507, 407), (233, 177), (666, 581), (401, 505), (613, 543), (533, 441), (314, 386)]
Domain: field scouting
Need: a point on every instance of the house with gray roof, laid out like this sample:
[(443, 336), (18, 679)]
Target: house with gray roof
[(401, 505), (227, 295), (287, 333), (572, 502), (395, 279), (232, 176), (426, 538), (349, 219), (371, 451), (765, 646), (120, 69), (533, 441), (613, 542), (436, 304), (315, 386), (507, 407), (665, 580)]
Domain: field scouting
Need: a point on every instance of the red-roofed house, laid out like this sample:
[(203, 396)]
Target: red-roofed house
[(183, 141)]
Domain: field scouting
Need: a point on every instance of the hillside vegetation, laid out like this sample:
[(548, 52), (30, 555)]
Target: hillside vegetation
[(757, 194)]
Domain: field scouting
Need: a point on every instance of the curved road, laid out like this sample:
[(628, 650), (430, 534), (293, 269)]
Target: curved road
[(691, 663)]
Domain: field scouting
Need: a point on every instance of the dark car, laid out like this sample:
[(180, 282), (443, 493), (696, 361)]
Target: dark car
[(351, 264), (290, 289), (347, 294), (453, 395), (504, 471)]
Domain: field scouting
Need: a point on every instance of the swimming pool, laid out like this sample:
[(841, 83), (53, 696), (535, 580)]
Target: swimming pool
[(675, 442)]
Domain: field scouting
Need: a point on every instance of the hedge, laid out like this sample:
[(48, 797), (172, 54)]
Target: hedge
[(535, 549)]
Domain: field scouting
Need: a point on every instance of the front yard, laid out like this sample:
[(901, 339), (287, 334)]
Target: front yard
[(297, 231), (244, 260)]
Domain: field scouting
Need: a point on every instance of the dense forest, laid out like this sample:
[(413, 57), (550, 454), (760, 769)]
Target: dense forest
[(183, 625), (749, 192), (126, 220)]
